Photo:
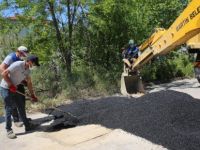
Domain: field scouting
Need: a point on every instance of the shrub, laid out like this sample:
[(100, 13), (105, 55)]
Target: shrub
[(165, 68)]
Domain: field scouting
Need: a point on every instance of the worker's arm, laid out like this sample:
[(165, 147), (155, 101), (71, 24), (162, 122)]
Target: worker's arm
[(3, 67), (197, 64), (6, 63), (10, 70), (5, 76), (30, 88), (30, 85)]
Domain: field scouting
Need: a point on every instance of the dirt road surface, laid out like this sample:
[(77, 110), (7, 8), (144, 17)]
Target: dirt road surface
[(105, 133)]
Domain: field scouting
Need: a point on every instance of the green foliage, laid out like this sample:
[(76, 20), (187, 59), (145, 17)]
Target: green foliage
[(163, 13), (168, 67), (99, 30)]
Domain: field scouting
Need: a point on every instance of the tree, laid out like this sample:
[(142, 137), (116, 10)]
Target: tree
[(61, 14), (85, 36)]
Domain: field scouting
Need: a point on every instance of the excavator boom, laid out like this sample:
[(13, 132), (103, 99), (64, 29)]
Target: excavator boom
[(185, 29), (186, 26)]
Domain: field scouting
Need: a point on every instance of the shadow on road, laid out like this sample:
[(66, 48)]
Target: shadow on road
[(167, 118)]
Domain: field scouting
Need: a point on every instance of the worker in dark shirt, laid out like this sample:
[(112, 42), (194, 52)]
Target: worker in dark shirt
[(130, 53)]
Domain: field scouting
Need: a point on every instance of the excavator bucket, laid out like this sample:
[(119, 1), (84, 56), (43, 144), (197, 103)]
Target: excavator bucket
[(131, 84)]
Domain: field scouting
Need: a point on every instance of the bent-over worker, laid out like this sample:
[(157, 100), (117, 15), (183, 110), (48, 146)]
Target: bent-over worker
[(12, 77)]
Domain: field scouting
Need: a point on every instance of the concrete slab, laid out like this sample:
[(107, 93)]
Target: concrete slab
[(117, 140), (188, 86), (88, 137)]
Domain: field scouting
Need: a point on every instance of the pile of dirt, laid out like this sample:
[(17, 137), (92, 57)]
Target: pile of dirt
[(167, 118)]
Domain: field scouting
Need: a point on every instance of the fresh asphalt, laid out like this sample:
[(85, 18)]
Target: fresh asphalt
[(165, 118)]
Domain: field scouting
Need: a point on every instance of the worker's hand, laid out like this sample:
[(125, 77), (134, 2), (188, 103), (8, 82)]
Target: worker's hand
[(197, 64), (24, 82), (34, 98), (122, 49), (13, 88)]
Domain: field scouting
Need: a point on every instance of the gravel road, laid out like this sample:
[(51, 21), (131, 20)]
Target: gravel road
[(168, 117)]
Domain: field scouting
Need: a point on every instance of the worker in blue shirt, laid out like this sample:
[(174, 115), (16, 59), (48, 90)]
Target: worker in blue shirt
[(130, 53), (20, 53)]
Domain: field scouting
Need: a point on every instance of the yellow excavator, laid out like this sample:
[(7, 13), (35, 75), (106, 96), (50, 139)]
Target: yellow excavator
[(184, 30)]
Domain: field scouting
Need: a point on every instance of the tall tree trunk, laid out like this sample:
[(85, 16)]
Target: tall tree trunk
[(71, 16), (65, 51)]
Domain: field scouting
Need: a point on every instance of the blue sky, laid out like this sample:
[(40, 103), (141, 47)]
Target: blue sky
[(9, 12)]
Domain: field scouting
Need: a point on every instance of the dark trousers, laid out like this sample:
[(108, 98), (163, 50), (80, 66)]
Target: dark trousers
[(15, 114), (22, 103), (11, 99)]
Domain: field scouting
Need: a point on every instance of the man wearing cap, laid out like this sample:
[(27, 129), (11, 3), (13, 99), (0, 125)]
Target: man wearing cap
[(20, 53), (130, 53), (12, 77)]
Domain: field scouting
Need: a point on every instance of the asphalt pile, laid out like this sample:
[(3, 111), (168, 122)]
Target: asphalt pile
[(167, 118)]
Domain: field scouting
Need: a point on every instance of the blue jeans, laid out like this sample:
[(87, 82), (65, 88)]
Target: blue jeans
[(8, 105), (11, 100)]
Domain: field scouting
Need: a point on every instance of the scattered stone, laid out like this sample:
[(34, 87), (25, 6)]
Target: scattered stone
[(167, 118)]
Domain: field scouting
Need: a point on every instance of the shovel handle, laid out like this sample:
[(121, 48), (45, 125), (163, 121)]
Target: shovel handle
[(23, 94), (52, 107)]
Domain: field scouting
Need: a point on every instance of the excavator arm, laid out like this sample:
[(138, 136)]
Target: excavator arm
[(184, 30), (186, 26)]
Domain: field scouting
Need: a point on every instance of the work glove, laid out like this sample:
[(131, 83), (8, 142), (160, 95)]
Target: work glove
[(13, 88), (24, 82), (34, 98)]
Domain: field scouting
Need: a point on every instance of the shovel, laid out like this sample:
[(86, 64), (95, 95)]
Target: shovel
[(53, 108)]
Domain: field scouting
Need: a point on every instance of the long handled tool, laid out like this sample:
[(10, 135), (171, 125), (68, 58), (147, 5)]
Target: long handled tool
[(53, 108)]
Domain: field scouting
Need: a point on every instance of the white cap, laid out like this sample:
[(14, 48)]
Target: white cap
[(23, 49)]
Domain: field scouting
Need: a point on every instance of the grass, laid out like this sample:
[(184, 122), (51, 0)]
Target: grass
[(66, 96)]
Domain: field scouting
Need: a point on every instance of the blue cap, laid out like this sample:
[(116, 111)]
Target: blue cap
[(34, 59)]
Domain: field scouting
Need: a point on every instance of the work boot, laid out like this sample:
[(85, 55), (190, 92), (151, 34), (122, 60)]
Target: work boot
[(30, 127), (18, 124), (11, 134)]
